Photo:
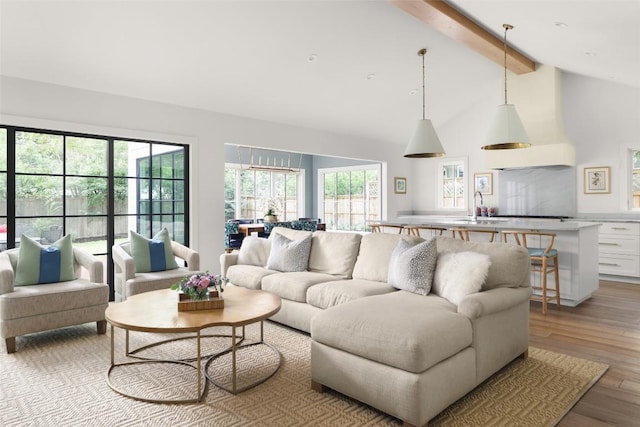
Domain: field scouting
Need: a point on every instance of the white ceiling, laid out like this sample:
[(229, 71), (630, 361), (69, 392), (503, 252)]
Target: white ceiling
[(250, 58)]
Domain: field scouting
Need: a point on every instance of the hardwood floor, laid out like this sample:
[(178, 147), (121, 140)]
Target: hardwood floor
[(605, 328)]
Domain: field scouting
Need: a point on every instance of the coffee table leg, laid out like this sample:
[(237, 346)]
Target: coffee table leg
[(261, 331), (112, 346), (199, 370), (126, 350), (233, 359)]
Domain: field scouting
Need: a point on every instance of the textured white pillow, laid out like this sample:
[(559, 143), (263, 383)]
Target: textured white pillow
[(459, 274), (411, 266), (254, 251), (287, 254)]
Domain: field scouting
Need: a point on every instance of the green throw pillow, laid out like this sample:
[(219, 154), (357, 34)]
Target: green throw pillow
[(152, 254), (44, 264)]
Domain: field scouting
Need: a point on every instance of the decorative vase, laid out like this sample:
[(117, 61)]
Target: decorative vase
[(270, 218), (199, 294)]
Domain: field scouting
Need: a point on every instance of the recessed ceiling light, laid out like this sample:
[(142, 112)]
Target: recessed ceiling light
[(561, 24), (590, 53), (312, 58), (371, 76)]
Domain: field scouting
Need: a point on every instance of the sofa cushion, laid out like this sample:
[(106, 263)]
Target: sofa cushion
[(289, 255), (399, 329), (375, 253), (152, 254), (459, 274), (411, 267), (334, 253), (325, 295), (509, 263), (248, 276), (29, 301), (293, 286), (44, 264), (254, 251)]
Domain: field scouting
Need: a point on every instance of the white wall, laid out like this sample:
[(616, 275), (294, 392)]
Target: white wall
[(602, 119), (27, 103)]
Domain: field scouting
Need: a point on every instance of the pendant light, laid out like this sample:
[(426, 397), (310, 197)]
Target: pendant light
[(425, 141), (506, 130)]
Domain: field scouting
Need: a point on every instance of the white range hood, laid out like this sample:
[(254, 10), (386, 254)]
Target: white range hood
[(538, 99)]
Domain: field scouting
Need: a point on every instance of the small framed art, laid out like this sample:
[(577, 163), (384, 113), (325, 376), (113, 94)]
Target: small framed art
[(484, 183), (400, 185), (597, 180)]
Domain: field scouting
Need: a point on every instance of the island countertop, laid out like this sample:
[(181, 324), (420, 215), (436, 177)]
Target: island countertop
[(494, 223)]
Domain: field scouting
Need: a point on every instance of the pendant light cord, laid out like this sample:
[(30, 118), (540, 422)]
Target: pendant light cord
[(506, 27), (422, 53)]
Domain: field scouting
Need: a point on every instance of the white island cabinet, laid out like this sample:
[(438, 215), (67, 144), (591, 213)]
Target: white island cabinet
[(576, 242)]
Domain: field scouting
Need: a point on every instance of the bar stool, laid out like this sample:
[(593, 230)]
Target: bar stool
[(414, 230), (379, 228), (463, 233), (544, 260)]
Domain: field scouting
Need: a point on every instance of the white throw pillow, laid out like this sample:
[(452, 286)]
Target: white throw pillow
[(254, 251), (459, 274), (411, 267), (287, 254)]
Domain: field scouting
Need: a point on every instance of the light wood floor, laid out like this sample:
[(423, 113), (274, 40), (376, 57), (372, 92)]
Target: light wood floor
[(605, 328)]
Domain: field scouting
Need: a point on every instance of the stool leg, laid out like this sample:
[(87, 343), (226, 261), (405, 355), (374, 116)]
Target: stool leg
[(544, 285), (557, 279)]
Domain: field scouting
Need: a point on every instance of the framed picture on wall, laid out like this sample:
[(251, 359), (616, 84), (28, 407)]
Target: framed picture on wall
[(400, 185), (484, 183), (597, 180)]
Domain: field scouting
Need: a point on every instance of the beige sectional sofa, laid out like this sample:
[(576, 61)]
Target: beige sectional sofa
[(406, 354)]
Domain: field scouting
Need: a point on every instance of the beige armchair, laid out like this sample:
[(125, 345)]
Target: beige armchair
[(128, 282), (34, 308)]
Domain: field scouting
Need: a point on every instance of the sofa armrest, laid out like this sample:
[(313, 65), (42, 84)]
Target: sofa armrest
[(91, 263), (492, 301), (123, 263), (226, 261), (6, 274), (191, 257)]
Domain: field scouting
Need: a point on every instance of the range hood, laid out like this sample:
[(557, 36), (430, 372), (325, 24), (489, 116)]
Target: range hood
[(538, 99)]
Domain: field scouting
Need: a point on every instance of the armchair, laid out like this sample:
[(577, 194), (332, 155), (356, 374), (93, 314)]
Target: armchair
[(34, 308), (128, 282), (232, 235)]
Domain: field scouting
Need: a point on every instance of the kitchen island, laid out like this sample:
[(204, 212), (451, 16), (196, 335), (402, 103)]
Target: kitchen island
[(576, 242)]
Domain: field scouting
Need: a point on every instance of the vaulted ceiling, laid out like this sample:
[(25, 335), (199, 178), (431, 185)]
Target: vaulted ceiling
[(346, 66)]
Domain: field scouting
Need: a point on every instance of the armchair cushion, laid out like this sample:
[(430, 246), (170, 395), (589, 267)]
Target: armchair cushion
[(152, 254), (39, 264)]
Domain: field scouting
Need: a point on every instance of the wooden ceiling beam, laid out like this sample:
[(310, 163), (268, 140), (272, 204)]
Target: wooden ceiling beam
[(451, 22)]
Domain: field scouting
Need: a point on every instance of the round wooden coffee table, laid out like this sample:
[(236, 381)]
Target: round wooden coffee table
[(157, 311)]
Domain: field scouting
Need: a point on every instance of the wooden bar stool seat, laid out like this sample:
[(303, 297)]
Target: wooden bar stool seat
[(463, 233), (544, 260)]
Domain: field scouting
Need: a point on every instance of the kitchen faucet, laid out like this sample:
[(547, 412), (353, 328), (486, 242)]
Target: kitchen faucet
[(475, 206)]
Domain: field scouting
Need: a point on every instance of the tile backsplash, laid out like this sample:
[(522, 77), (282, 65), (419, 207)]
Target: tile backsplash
[(540, 191)]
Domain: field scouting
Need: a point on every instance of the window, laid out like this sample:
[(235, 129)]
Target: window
[(247, 193), (95, 188), (349, 197), (452, 184), (635, 180)]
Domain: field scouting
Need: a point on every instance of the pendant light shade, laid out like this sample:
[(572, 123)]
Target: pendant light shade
[(506, 130), (424, 142)]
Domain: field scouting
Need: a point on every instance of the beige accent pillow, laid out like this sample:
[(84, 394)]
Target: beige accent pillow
[(375, 253), (254, 251), (334, 253)]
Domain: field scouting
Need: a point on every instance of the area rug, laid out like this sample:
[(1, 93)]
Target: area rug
[(58, 378)]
